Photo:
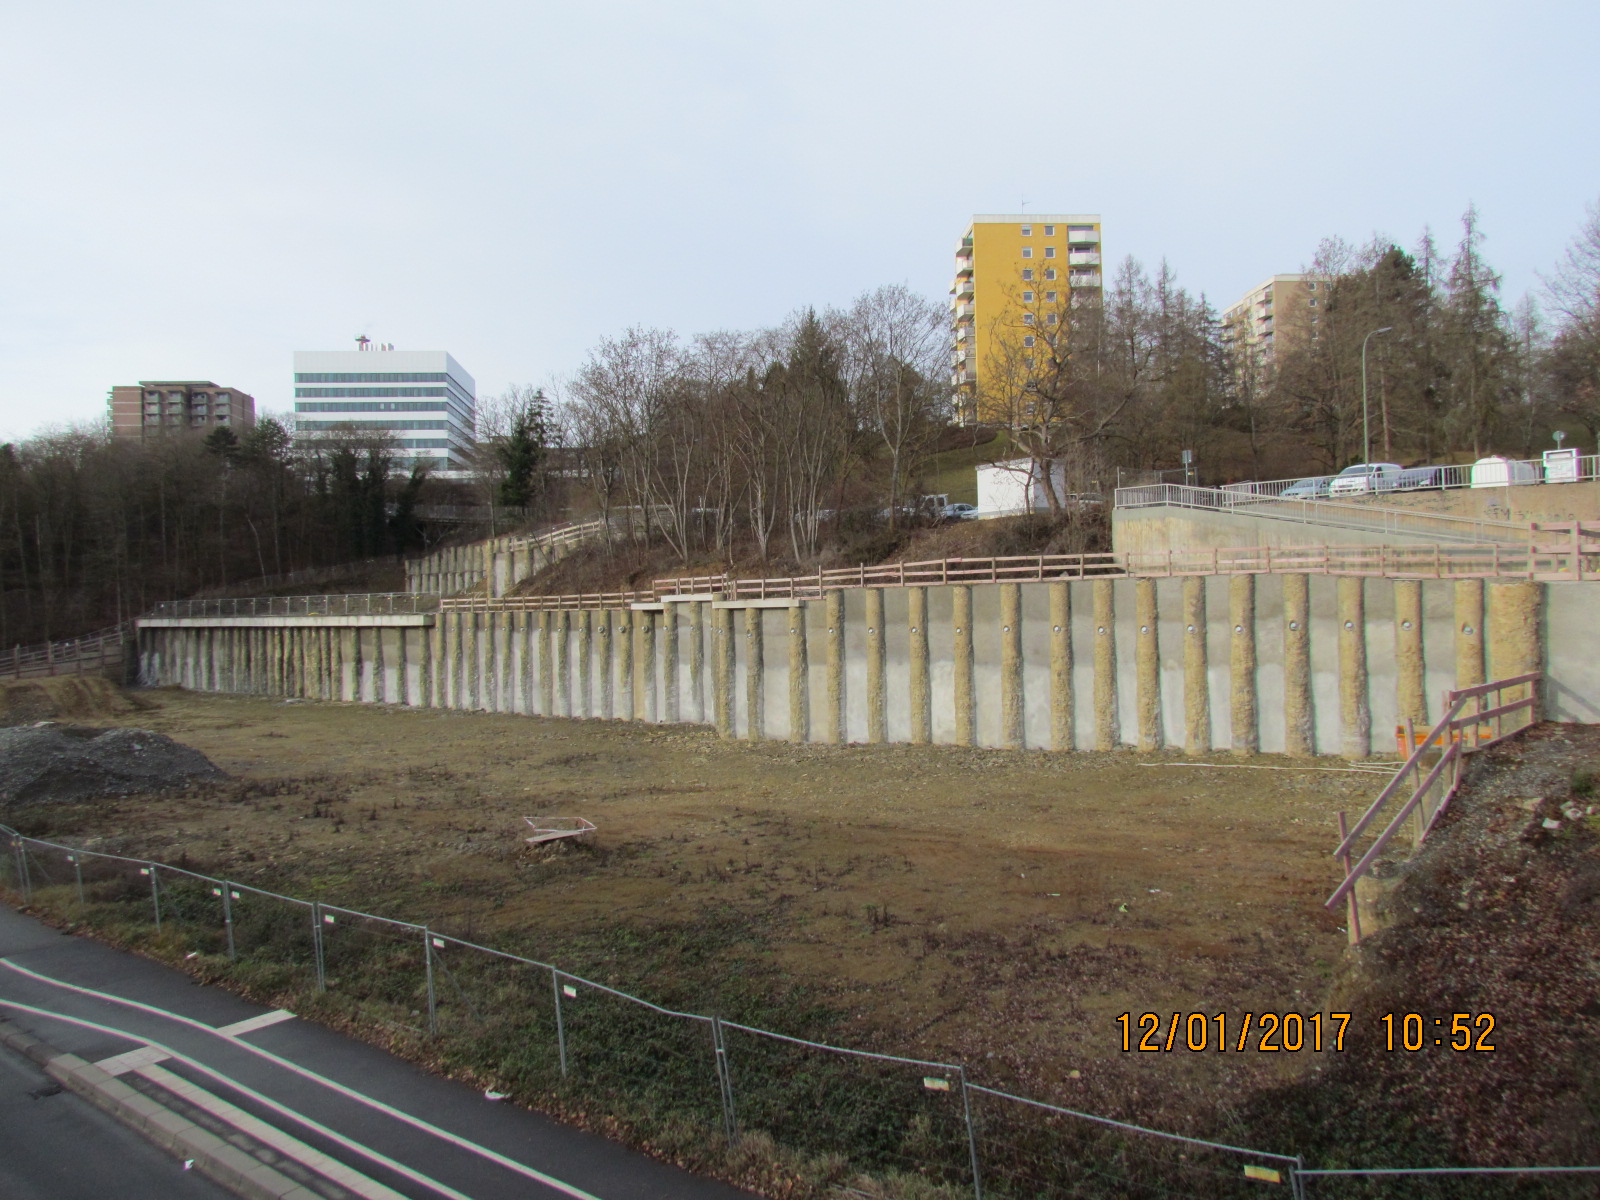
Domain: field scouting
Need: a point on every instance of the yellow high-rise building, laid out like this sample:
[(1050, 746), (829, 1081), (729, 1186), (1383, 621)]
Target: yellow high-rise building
[(1018, 278)]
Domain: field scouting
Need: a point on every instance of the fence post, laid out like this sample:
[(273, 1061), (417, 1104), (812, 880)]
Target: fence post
[(972, 1137), (226, 892), (724, 1081), (24, 878), (433, 1003), (77, 871), (155, 892), (1297, 1183), (561, 1029), (316, 945)]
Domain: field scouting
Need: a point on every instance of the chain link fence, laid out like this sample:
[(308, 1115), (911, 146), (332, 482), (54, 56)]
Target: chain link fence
[(845, 1118)]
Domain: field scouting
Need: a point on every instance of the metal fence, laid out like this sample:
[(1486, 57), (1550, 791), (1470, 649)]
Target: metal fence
[(1487, 473), (358, 604), (305, 575), (1354, 515), (545, 1032)]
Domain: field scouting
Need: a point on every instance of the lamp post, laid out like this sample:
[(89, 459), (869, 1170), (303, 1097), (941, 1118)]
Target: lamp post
[(1366, 425)]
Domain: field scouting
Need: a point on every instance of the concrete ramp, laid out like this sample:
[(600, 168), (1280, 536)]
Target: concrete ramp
[(1169, 517)]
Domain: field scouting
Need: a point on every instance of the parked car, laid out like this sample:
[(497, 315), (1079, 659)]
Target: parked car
[(958, 512), (1314, 487), (1365, 477), (1414, 478)]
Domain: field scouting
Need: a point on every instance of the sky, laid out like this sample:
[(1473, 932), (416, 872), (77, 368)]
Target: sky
[(195, 190)]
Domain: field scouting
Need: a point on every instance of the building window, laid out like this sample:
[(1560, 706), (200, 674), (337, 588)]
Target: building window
[(1027, 231), (1027, 318), (1049, 251), (1312, 286), (1027, 252), (1050, 297), (1049, 231), (1028, 341), (1027, 297), (1049, 272), (1027, 273), (1052, 319), (1312, 302)]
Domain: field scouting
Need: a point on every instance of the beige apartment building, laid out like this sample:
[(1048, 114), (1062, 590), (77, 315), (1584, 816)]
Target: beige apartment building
[(1275, 315), (160, 407)]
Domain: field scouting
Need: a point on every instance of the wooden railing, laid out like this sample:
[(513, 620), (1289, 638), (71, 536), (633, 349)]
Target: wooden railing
[(1457, 734), (76, 656), (538, 603)]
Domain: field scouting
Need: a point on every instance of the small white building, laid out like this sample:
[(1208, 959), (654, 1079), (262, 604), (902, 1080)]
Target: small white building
[(1017, 486)]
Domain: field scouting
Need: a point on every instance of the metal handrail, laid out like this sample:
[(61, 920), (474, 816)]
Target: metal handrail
[(1454, 737), (357, 604), (1424, 478), (1309, 511)]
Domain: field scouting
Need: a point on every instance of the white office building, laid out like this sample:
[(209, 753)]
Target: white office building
[(422, 397)]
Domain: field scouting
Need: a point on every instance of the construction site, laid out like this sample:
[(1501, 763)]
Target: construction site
[(1107, 835)]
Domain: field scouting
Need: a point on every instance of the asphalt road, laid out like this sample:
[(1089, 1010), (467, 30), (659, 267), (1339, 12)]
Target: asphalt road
[(57, 1146), (421, 1135)]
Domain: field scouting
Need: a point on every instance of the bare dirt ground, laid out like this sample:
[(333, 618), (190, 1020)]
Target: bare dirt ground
[(988, 907)]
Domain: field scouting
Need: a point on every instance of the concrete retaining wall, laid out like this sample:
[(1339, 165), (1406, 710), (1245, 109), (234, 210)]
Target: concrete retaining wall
[(1157, 530), (1293, 663)]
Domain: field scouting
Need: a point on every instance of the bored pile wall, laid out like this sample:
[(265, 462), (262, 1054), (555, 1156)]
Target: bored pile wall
[(1277, 663)]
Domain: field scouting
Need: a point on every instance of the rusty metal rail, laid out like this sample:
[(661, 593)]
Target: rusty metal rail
[(1457, 735)]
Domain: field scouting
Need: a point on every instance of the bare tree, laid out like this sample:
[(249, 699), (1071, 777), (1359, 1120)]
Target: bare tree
[(895, 343)]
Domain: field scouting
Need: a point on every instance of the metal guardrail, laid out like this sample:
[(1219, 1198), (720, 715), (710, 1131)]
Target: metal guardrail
[(360, 604), (1407, 480), (1340, 514), (305, 575)]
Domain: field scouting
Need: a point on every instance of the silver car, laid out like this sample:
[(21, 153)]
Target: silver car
[(1365, 477)]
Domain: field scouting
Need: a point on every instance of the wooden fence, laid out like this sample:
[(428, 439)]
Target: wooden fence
[(93, 653)]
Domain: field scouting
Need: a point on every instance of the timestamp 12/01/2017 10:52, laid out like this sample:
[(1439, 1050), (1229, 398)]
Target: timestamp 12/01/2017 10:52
[(1279, 1032)]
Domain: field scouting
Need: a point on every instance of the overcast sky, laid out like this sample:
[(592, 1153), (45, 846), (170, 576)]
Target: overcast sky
[(196, 190)]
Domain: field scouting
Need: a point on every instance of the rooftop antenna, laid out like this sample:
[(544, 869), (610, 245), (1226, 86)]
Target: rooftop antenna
[(363, 342), (1024, 207)]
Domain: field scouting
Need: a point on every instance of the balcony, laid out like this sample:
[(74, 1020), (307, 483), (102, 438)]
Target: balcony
[(963, 266), (965, 310), (1084, 258), (1084, 279), (1083, 237), (964, 288)]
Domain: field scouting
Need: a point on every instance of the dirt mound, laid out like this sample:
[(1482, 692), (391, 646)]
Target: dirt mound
[(26, 701), (44, 763)]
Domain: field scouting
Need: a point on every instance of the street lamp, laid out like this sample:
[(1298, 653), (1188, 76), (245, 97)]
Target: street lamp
[(1366, 426)]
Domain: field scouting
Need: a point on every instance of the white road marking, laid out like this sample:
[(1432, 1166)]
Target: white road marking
[(281, 1109), (271, 1135), (445, 1135), (130, 1060), (251, 1024)]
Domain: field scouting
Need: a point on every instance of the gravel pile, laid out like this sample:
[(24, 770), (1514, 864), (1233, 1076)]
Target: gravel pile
[(44, 763)]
